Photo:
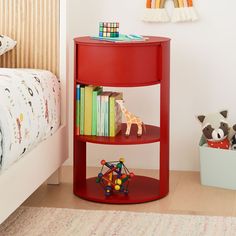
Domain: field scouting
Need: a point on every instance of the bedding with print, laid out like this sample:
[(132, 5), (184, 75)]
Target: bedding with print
[(29, 111)]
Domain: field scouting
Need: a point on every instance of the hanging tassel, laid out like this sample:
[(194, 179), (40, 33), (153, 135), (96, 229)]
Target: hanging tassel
[(148, 3), (179, 13), (158, 2), (184, 11), (192, 11), (155, 11)]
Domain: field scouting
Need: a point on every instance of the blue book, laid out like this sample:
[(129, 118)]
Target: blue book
[(78, 92), (122, 38)]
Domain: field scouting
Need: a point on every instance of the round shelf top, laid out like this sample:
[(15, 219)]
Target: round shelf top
[(151, 40), (151, 135), (141, 189), (122, 64)]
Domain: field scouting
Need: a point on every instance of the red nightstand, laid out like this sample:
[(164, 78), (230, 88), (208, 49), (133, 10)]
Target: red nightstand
[(124, 65)]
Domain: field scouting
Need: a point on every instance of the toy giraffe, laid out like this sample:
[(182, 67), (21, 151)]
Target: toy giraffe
[(130, 119)]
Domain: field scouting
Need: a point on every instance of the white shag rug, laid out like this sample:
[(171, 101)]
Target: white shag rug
[(33, 221)]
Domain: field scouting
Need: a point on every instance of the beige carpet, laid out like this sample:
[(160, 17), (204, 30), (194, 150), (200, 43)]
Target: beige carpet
[(29, 221)]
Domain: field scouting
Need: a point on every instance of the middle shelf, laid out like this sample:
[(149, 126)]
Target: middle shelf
[(150, 135)]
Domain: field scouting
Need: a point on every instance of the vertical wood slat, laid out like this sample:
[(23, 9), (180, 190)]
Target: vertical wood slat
[(34, 24)]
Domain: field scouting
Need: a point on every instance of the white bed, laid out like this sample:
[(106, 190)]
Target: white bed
[(24, 176)]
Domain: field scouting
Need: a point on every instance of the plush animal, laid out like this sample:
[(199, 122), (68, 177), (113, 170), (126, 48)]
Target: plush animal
[(216, 129), (233, 142), (233, 138)]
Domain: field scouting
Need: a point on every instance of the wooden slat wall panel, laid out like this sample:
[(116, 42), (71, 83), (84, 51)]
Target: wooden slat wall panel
[(34, 24)]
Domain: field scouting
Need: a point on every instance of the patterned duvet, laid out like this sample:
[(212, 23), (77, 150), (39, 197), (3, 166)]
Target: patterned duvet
[(29, 111)]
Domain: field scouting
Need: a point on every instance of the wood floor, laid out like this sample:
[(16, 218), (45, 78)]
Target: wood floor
[(186, 196)]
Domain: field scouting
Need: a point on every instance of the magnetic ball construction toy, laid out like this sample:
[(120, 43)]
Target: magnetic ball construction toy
[(116, 178)]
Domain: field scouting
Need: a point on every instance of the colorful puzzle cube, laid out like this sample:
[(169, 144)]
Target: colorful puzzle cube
[(109, 29)]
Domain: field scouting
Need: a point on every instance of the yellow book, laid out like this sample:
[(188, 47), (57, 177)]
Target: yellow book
[(88, 106), (115, 114)]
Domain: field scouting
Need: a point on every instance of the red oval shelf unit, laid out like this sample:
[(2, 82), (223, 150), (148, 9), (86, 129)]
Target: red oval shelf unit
[(124, 65)]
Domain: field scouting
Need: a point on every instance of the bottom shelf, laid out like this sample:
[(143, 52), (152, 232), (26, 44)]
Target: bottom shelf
[(141, 189)]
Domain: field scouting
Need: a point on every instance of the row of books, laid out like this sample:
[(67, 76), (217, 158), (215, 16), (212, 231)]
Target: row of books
[(97, 113)]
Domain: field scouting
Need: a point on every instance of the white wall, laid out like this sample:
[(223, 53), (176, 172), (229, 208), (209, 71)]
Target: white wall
[(203, 74)]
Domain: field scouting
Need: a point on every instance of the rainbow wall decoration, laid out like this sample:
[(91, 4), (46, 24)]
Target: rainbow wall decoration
[(183, 11)]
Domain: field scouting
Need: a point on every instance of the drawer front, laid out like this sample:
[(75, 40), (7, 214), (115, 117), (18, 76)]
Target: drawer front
[(118, 65)]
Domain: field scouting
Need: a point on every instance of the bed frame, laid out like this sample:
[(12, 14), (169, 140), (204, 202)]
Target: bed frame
[(39, 27)]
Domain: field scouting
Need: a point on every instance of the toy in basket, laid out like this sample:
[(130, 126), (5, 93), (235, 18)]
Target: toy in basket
[(216, 130), (116, 178)]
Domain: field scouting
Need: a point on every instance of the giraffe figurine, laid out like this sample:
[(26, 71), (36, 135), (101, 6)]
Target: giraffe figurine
[(131, 119)]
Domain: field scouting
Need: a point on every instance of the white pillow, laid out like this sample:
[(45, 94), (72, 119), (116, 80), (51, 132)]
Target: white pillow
[(6, 44)]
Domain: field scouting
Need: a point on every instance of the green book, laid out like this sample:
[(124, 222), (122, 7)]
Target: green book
[(106, 113), (99, 115), (78, 109), (96, 92), (102, 114), (77, 117), (81, 110)]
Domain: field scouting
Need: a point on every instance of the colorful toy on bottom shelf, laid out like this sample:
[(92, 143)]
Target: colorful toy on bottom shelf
[(131, 119), (109, 29), (116, 178), (216, 129)]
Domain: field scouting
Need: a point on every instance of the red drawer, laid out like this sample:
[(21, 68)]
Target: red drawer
[(119, 65)]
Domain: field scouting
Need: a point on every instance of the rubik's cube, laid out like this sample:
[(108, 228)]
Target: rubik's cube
[(109, 29)]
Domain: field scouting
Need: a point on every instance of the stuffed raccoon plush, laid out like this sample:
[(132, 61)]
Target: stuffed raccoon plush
[(233, 142), (216, 129), (233, 139)]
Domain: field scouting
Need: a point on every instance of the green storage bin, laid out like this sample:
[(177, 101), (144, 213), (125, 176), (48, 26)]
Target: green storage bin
[(217, 166)]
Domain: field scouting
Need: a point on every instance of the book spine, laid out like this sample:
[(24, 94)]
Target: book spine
[(112, 117), (77, 109), (94, 110), (94, 113), (82, 110), (106, 116), (117, 114), (117, 119), (98, 115), (88, 101), (102, 121)]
